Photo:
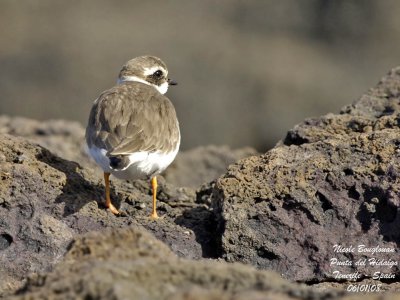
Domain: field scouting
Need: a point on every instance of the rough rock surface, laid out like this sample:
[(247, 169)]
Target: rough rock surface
[(333, 180), (63, 138), (131, 264), (46, 200)]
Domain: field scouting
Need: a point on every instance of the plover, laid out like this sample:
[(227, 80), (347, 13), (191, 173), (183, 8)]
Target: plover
[(133, 131)]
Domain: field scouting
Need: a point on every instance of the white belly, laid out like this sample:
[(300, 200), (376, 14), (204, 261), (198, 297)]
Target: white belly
[(142, 164)]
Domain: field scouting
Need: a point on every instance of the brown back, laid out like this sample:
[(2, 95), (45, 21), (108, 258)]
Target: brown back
[(132, 117)]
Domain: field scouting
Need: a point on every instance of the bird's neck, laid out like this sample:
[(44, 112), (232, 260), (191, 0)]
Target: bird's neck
[(162, 89)]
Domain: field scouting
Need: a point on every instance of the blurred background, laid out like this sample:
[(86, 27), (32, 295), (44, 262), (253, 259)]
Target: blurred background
[(247, 70)]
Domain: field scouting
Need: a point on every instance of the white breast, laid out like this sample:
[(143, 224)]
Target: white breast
[(142, 164)]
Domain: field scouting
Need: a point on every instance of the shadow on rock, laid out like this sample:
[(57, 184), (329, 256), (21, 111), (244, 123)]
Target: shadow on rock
[(77, 191), (380, 205), (202, 222)]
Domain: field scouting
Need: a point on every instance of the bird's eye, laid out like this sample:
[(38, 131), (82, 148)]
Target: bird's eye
[(158, 73)]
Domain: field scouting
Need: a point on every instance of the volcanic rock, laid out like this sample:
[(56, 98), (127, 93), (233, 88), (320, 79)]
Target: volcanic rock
[(63, 138), (334, 180), (46, 200), (131, 264)]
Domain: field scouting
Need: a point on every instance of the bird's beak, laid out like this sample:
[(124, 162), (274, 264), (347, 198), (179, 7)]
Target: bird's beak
[(171, 82)]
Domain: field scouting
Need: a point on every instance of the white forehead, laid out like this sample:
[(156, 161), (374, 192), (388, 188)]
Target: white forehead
[(149, 71)]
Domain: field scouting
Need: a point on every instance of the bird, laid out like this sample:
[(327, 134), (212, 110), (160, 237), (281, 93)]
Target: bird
[(133, 131)]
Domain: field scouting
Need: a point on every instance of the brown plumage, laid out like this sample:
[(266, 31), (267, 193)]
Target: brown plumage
[(133, 131), (132, 117)]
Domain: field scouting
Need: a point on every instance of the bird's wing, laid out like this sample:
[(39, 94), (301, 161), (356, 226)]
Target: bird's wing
[(131, 118)]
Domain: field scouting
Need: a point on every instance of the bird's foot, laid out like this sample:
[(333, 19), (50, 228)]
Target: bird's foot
[(154, 216), (112, 208)]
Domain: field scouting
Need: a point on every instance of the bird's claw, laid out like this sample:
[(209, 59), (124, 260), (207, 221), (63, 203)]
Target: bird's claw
[(112, 208)]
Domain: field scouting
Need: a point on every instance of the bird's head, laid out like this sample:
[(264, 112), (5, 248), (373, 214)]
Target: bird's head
[(149, 70)]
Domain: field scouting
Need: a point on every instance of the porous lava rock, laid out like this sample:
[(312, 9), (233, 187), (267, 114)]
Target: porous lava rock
[(46, 200), (334, 180), (131, 264)]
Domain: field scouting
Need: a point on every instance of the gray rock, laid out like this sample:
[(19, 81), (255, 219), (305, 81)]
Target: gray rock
[(45, 201), (131, 264), (333, 180), (61, 137)]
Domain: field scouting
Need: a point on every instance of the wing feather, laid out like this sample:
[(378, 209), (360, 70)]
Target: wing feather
[(133, 117)]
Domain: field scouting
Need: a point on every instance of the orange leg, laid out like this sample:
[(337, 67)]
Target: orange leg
[(154, 188), (109, 205)]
